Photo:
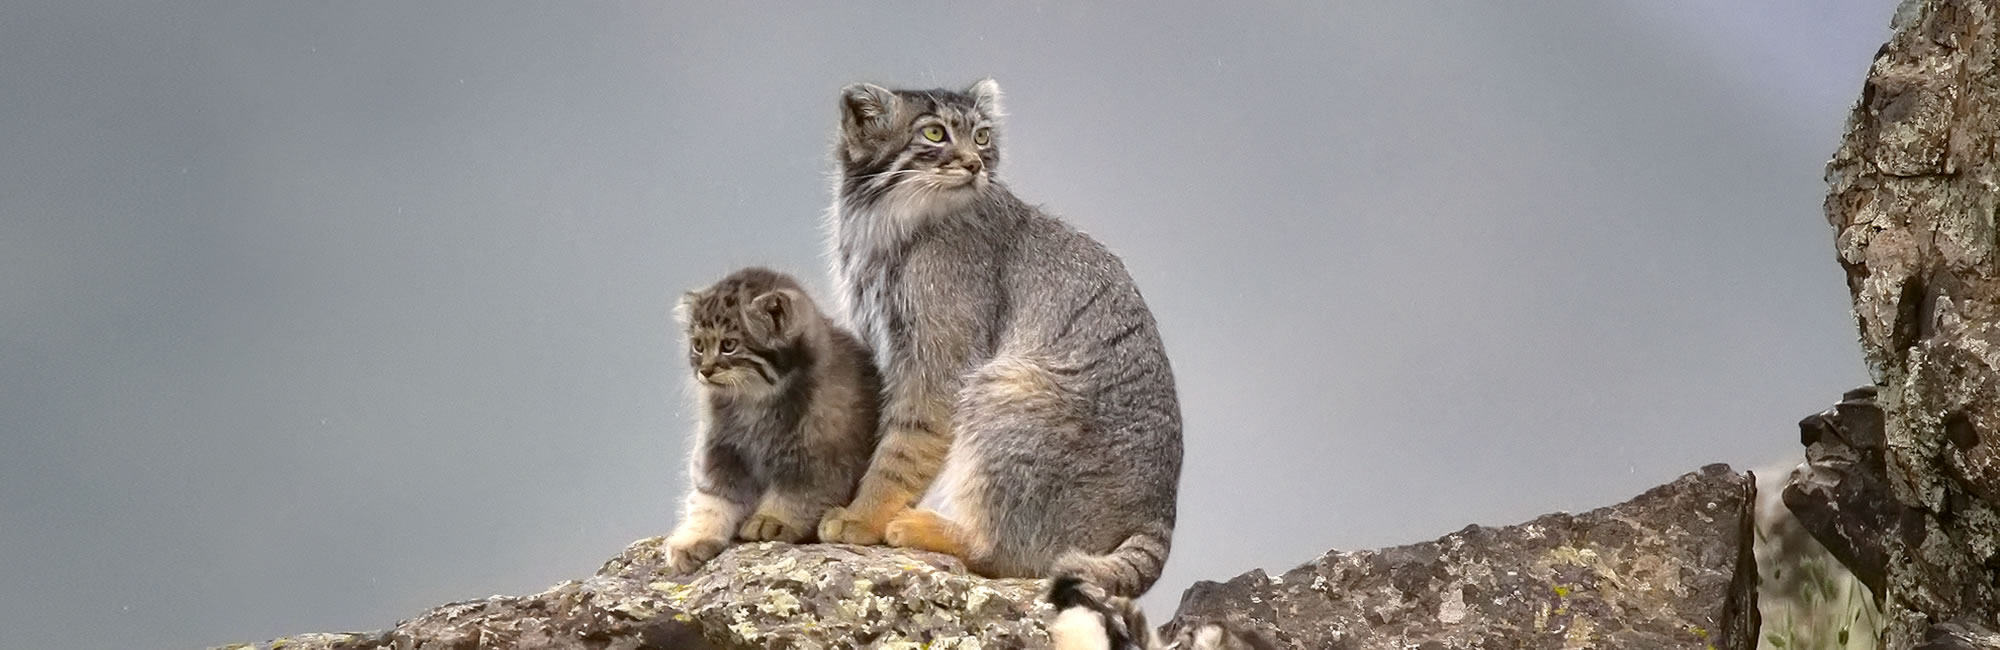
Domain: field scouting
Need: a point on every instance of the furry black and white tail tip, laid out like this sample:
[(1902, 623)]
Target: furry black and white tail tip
[(1084, 621)]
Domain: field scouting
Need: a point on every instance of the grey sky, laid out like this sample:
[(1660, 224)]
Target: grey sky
[(320, 314)]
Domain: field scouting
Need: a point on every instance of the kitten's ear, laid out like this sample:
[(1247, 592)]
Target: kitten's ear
[(781, 310), (865, 106), (986, 96), (685, 306)]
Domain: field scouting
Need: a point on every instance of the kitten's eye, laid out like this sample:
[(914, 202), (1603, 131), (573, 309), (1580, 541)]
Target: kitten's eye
[(728, 346), (982, 136), (934, 133)]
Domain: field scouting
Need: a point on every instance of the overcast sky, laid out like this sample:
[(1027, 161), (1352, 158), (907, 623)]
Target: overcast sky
[(319, 314)]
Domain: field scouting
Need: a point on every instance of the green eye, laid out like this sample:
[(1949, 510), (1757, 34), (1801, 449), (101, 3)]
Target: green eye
[(982, 136), (934, 133)]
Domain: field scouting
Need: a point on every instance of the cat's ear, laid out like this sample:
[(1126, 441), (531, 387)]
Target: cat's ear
[(865, 106), (986, 95), (777, 313), (685, 306)]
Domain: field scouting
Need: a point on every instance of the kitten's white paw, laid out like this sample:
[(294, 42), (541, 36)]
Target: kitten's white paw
[(684, 555)]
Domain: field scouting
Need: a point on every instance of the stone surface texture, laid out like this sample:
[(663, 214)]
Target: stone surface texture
[(1653, 572), (1914, 198), (765, 595)]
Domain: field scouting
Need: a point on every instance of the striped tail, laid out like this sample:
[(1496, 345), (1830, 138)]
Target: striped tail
[(1084, 622), (1128, 570)]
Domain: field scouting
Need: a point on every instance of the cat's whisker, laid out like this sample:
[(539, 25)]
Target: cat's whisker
[(893, 172), (884, 178)]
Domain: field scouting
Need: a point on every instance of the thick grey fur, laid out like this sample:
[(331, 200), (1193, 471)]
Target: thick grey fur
[(789, 412), (1065, 427)]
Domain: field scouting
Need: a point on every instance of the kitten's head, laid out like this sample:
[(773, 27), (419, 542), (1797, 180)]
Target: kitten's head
[(917, 152), (745, 333)]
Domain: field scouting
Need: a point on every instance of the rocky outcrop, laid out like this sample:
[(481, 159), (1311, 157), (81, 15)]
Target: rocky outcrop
[(1653, 572), (1914, 200), (765, 595)]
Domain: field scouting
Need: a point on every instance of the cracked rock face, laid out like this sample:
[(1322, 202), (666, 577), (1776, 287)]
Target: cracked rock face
[(1653, 572)]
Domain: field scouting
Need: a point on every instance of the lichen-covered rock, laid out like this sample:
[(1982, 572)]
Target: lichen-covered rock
[(764, 595), (1653, 572), (1914, 200), (836, 596)]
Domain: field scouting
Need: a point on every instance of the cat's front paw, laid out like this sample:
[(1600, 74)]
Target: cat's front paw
[(763, 527), (843, 527), (923, 530), (685, 554)]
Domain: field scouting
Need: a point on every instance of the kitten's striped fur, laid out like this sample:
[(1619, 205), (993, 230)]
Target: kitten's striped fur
[(1018, 357), (789, 408)]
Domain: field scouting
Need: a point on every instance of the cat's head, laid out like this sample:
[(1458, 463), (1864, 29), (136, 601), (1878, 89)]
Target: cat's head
[(918, 151), (745, 333)]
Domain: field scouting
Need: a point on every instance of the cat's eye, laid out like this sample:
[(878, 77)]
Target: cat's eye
[(728, 346), (934, 133), (983, 136)]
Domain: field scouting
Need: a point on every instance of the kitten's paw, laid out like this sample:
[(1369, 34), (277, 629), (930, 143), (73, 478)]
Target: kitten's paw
[(686, 555), (925, 531), (767, 528), (842, 527)]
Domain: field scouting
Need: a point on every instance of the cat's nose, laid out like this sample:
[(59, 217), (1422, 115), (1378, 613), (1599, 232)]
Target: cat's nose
[(706, 371), (973, 164)]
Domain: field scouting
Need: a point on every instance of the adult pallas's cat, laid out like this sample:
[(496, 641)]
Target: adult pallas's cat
[(1017, 356)]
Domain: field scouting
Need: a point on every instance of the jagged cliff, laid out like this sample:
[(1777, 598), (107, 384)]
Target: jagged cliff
[(1904, 486)]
